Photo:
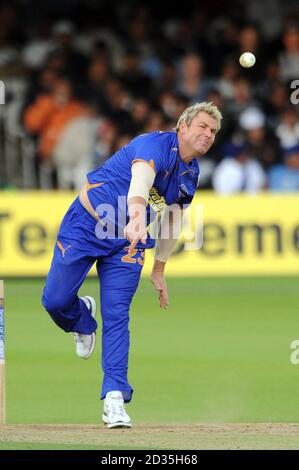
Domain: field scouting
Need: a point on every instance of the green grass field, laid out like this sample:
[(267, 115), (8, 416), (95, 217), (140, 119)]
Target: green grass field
[(219, 354)]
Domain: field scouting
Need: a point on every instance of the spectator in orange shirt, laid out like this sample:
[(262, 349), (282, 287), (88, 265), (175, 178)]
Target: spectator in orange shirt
[(46, 118)]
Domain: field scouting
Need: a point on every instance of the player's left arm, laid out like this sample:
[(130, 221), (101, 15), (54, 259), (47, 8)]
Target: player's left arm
[(170, 229)]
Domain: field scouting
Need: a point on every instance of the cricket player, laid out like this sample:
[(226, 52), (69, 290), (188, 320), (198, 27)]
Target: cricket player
[(107, 225)]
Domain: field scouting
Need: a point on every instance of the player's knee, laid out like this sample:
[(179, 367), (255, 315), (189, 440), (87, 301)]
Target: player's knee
[(54, 303), (115, 306), (115, 316)]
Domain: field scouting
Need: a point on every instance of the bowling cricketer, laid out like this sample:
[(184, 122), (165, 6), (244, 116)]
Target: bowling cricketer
[(107, 225)]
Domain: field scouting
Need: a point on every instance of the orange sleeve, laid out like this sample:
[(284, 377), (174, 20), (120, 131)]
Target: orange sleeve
[(38, 114)]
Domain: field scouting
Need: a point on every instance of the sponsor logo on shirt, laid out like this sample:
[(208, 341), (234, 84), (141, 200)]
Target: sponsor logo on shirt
[(156, 201)]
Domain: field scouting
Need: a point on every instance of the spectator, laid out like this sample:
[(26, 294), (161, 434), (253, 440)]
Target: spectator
[(92, 90), (36, 51), (238, 172), (288, 128), (229, 74), (241, 100), (289, 58), (190, 78), (47, 117), (72, 155), (155, 120), (120, 141), (119, 101), (141, 67), (107, 133), (134, 80), (285, 177), (40, 84), (63, 33), (140, 109), (168, 76), (262, 143), (276, 101)]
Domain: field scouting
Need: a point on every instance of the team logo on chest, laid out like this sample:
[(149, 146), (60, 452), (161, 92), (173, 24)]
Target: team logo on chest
[(187, 171), (183, 191)]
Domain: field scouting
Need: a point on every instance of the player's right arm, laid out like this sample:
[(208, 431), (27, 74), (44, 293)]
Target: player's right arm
[(142, 179), (147, 161)]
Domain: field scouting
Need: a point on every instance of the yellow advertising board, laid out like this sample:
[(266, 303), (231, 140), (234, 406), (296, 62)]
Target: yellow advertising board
[(240, 235), (243, 234)]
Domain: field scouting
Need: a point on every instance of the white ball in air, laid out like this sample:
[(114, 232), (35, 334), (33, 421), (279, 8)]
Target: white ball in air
[(247, 59)]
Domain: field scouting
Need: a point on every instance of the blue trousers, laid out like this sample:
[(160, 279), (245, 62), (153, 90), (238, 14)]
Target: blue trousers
[(76, 250)]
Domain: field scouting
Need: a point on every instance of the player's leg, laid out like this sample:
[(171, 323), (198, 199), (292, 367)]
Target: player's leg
[(119, 277), (60, 298), (75, 251)]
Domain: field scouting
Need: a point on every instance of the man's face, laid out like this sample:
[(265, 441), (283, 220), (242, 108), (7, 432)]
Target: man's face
[(200, 135), (61, 92)]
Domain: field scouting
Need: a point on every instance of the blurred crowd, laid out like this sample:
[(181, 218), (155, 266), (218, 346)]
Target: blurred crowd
[(83, 78)]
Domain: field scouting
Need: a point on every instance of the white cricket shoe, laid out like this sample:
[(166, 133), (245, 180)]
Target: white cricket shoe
[(114, 414), (85, 344)]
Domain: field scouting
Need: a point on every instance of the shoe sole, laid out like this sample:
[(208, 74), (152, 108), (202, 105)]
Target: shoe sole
[(93, 311), (118, 425)]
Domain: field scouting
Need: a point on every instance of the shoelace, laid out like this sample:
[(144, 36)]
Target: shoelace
[(117, 408)]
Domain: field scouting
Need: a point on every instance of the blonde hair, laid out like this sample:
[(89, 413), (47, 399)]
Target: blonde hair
[(192, 111)]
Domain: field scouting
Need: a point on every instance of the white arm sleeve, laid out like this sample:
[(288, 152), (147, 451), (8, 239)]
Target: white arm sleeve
[(141, 181), (170, 229)]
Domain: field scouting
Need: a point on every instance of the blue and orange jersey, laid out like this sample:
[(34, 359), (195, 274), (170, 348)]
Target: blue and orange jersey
[(175, 181)]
